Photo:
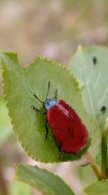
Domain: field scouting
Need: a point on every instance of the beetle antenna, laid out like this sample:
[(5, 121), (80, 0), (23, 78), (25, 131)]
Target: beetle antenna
[(35, 96), (56, 94), (38, 98), (48, 90)]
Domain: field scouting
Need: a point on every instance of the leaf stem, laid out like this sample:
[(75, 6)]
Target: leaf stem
[(93, 165)]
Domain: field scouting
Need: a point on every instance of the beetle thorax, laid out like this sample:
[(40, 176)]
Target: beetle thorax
[(49, 103)]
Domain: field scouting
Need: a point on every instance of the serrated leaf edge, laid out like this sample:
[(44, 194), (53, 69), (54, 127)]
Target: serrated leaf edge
[(38, 58), (41, 169)]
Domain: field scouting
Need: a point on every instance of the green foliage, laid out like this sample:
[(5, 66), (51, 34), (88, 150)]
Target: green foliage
[(83, 173), (5, 125), (44, 181), (104, 153), (19, 86), (90, 67), (18, 188), (100, 188)]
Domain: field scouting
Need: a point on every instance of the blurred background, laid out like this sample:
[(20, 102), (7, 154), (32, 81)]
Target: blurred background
[(52, 28)]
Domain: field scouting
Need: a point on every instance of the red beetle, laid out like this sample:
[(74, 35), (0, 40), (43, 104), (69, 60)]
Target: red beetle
[(69, 132)]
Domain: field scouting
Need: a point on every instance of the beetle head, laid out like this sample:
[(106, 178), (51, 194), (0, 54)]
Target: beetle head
[(49, 103)]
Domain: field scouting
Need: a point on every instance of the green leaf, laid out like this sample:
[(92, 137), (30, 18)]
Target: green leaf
[(83, 172), (5, 125), (44, 181), (19, 86), (0, 79), (90, 66), (18, 188), (100, 188), (104, 153)]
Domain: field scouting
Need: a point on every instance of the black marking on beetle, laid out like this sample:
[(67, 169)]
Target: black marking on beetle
[(94, 60), (103, 109)]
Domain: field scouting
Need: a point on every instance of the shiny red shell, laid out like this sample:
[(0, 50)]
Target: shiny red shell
[(69, 131)]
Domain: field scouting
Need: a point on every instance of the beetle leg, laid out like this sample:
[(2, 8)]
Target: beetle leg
[(38, 98), (60, 150), (61, 154), (46, 133), (37, 110), (56, 94)]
